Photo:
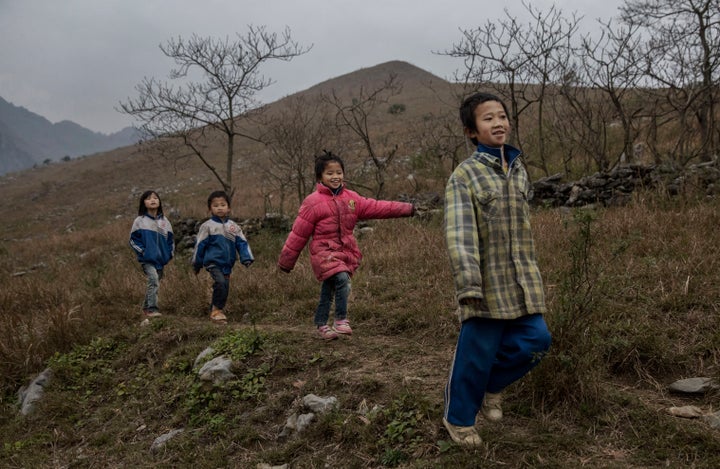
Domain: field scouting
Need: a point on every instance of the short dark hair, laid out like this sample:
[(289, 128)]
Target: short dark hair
[(218, 195), (467, 109), (142, 209), (322, 161)]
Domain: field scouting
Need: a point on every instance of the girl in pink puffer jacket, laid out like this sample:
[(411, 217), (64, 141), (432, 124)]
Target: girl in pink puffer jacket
[(328, 216)]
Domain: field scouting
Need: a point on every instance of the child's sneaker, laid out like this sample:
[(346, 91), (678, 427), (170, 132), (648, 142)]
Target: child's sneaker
[(151, 314), (325, 332), (466, 436), (492, 407), (218, 317), (342, 326)]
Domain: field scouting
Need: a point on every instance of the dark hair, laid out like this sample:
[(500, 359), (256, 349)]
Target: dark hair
[(218, 195), (142, 209), (467, 110), (322, 161)]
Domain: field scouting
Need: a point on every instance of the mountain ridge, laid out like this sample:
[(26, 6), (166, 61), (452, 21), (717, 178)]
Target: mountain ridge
[(43, 141), (28, 139)]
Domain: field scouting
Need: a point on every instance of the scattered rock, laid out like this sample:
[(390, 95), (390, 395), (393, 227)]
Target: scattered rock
[(217, 370), (693, 385), (712, 419), (162, 440), (296, 424), (688, 411), (202, 356), (33, 392), (318, 404)]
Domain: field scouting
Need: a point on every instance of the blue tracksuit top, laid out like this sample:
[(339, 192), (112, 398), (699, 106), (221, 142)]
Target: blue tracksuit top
[(152, 239), (217, 243)]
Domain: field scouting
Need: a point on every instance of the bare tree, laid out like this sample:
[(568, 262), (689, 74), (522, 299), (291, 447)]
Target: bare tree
[(439, 138), (294, 135), (581, 122), (193, 113), (548, 41), (517, 62), (682, 56), (356, 116), (491, 60), (612, 67)]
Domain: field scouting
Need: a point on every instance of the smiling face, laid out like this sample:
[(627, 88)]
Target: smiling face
[(219, 207), (491, 124), (332, 175)]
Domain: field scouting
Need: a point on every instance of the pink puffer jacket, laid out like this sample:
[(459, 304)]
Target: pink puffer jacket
[(330, 220)]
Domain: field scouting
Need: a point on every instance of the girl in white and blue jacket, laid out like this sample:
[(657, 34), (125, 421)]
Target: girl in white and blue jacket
[(151, 237)]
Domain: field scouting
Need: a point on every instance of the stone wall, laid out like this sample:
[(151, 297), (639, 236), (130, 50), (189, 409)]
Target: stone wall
[(614, 188)]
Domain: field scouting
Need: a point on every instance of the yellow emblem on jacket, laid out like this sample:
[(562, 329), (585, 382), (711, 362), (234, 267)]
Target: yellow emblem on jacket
[(351, 204)]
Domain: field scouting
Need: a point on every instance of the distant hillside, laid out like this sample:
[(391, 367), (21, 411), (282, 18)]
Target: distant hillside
[(409, 76), (27, 139), (60, 185)]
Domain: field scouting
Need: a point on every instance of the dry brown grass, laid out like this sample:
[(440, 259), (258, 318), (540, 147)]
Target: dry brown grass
[(648, 326), (640, 313)]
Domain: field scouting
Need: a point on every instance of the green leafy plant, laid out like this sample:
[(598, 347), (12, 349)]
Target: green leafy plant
[(401, 435), (239, 344)]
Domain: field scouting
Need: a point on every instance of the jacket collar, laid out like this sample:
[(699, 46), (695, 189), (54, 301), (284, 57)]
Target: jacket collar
[(493, 154), (322, 188)]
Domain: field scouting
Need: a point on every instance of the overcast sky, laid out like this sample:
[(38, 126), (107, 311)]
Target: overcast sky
[(77, 59)]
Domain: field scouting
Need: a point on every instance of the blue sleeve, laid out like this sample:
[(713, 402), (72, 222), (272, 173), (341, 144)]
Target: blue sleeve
[(243, 249), (200, 246), (171, 244)]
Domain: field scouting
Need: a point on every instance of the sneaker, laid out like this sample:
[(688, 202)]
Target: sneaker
[(466, 436), (491, 407), (218, 317), (342, 326), (325, 332), (151, 314)]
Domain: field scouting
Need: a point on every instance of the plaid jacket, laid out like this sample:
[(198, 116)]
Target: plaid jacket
[(488, 236)]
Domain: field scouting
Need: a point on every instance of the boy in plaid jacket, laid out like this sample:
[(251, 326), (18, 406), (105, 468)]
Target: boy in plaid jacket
[(498, 285)]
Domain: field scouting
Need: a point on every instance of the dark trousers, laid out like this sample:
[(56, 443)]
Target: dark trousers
[(490, 355), (221, 287)]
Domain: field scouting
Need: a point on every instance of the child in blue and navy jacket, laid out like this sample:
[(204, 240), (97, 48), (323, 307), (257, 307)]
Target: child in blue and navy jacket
[(151, 237), (219, 240)]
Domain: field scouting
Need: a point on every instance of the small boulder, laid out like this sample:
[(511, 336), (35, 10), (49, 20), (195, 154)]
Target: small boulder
[(693, 385), (33, 392), (217, 370)]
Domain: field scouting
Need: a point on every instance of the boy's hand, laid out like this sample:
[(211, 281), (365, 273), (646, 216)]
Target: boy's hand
[(247, 263)]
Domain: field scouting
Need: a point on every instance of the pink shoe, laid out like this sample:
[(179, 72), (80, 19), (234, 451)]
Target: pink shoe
[(325, 332), (342, 326)]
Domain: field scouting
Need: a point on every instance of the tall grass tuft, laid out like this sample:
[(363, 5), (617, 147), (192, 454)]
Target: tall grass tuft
[(573, 370)]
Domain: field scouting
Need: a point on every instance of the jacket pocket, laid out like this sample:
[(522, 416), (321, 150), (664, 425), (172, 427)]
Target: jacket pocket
[(487, 205)]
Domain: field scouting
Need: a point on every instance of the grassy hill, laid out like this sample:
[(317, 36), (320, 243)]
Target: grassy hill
[(631, 290)]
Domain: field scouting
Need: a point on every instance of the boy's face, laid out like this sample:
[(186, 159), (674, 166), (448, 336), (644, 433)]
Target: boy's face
[(219, 207), (332, 175), (492, 124)]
